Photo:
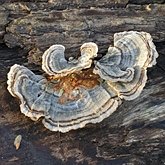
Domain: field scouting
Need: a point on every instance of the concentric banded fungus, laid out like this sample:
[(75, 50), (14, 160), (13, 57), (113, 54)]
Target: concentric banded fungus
[(124, 66), (39, 97), (71, 95), (28, 87), (54, 62)]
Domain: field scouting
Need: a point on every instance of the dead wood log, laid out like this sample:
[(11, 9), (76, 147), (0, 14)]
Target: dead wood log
[(134, 134), (36, 26)]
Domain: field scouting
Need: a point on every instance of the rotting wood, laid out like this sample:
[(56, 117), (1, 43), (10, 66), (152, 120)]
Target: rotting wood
[(133, 134)]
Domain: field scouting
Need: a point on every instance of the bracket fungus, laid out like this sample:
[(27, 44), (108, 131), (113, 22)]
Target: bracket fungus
[(76, 92), (54, 62)]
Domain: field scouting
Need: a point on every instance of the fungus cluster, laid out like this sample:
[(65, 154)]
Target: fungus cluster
[(76, 92)]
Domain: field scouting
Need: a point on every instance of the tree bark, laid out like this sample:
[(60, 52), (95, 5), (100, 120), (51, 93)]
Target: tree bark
[(134, 134)]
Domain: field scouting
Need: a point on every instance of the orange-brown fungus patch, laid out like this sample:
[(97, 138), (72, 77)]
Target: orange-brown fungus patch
[(85, 78)]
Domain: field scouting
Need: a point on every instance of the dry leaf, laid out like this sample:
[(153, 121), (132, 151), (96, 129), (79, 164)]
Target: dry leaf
[(13, 159), (17, 141)]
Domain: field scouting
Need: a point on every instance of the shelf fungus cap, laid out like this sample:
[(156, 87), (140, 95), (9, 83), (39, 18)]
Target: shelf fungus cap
[(27, 87), (61, 111), (73, 93), (54, 62), (125, 64), (89, 50)]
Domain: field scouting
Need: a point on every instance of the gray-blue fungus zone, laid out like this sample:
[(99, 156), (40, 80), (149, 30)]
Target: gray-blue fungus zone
[(75, 92)]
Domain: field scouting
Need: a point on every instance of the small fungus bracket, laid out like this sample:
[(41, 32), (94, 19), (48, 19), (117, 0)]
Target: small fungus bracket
[(74, 93)]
